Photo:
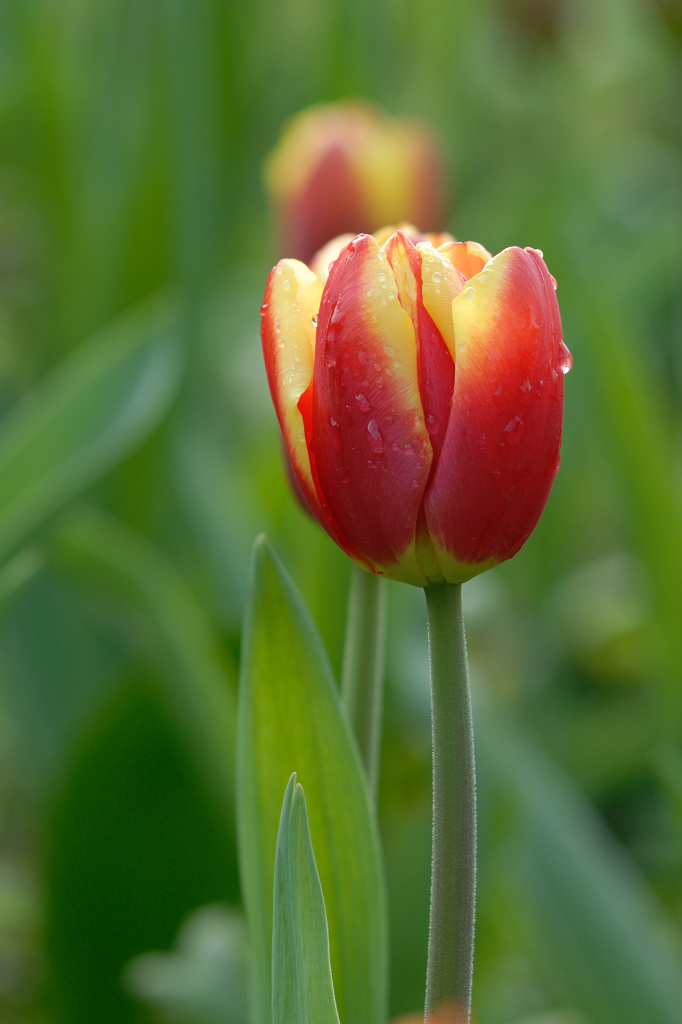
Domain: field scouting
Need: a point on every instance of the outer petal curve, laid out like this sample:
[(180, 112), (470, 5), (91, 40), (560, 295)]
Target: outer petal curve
[(488, 490), (370, 444), (292, 297)]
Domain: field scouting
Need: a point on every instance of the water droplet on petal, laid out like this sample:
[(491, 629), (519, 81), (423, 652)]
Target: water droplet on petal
[(565, 358), (469, 294), (370, 293), (376, 441), (286, 285), (513, 430), (363, 403), (314, 319), (382, 277), (436, 278), (389, 350), (432, 425)]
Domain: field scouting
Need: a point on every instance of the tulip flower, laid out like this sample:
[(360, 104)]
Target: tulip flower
[(418, 383), (347, 167)]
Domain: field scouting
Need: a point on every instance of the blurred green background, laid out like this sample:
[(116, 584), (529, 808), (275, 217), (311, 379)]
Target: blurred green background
[(139, 457)]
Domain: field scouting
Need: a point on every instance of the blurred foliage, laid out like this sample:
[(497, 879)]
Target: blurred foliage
[(131, 140)]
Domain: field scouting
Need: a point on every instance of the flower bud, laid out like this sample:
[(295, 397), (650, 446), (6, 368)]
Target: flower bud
[(346, 167), (419, 388)]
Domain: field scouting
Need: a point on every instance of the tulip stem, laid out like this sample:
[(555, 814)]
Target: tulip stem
[(363, 667), (453, 877)]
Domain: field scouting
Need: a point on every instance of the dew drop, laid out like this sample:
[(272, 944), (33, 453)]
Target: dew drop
[(553, 280), (469, 294), (389, 350), (436, 278), (565, 358), (382, 277), (363, 403), (278, 271), (382, 254), (333, 421), (395, 446), (415, 483), (286, 285), (370, 293), (391, 295), (432, 425), (513, 430), (383, 302), (376, 441), (314, 319), (280, 344)]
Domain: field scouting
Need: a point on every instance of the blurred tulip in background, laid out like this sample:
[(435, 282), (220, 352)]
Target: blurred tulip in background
[(348, 167)]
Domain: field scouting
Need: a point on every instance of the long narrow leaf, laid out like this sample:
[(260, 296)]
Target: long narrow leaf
[(87, 415), (302, 986), (290, 720), (601, 933)]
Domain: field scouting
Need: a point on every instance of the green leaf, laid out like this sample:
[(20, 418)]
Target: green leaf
[(302, 986), (197, 680), (598, 928), (290, 720), (84, 417)]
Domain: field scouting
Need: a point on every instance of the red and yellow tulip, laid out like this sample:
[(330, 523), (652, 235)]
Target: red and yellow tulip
[(418, 383), (348, 167)]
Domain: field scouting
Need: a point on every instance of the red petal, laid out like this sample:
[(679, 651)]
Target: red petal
[(370, 445), (435, 367), (502, 445)]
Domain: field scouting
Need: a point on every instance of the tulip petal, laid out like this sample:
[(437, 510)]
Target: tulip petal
[(469, 257), (435, 365), (441, 283), (292, 298), (370, 444), (488, 490)]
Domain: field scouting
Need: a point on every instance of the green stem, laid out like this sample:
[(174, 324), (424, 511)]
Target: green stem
[(363, 667), (453, 878)]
